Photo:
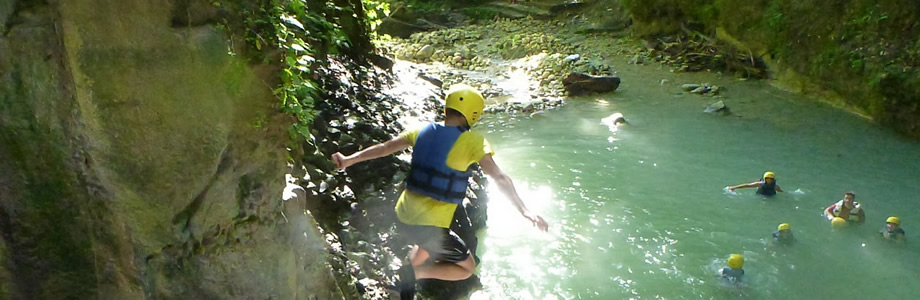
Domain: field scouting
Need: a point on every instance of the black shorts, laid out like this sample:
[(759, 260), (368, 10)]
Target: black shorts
[(441, 243)]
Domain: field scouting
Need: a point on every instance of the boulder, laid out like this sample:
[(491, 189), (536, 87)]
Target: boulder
[(425, 52), (398, 28), (582, 84), (717, 107)]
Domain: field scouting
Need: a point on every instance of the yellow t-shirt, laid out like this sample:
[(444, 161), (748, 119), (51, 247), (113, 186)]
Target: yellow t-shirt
[(416, 209)]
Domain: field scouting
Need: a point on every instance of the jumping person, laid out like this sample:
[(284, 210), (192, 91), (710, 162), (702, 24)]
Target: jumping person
[(436, 184)]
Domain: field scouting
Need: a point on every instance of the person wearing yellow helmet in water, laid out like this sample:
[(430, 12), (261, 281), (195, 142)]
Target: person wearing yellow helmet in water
[(441, 163), (783, 235), (766, 186), (847, 209), (893, 230), (735, 270)]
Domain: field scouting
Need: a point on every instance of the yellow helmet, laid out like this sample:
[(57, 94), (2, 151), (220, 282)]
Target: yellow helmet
[(769, 175), (784, 226), (894, 220), (467, 101), (736, 261), (838, 222)]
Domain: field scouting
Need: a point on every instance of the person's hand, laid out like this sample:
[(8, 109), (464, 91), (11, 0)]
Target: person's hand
[(537, 220), (340, 161)]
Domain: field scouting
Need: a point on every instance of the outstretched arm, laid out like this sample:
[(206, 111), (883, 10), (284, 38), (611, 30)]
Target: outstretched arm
[(507, 187), (829, 211), (394, 145), (741, 186)]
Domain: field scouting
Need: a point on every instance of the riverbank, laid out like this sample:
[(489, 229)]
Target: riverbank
[(862, 55)]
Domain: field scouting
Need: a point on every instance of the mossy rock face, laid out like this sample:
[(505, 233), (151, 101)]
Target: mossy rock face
[(131, 163)]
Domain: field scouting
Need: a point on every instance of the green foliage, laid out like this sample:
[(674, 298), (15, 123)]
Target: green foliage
[(376, 11), (297, 92), (775, 20), (304, 34)]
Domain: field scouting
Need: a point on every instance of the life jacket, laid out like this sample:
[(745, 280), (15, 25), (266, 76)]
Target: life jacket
[(767, 189), (776, 238), (854, 212), (893, 233), (732, 274), (429, 174)]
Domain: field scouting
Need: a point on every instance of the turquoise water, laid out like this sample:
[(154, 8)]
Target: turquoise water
[(641, 212)]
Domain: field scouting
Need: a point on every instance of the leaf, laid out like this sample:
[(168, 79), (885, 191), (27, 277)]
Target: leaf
[(292, 21), (305, 60), (298, 7)]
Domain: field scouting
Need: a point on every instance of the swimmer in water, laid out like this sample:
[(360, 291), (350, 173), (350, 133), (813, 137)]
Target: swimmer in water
[(893, 230), (766, 186), (847, 209), (735, 270), (783, 235)]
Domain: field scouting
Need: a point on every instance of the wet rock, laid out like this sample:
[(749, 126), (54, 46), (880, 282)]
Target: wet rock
[(292, 192), (431, 78), (582, 84), (717, 107), (297, 172), (572, 58), (528, 109), (701, 89), (714, 90), (689, 87)]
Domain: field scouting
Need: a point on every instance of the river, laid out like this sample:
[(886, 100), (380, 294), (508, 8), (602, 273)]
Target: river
[(640, 211)]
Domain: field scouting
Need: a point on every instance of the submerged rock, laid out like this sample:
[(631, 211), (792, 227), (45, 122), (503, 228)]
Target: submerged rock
[(582, 84), (717, 107), (701, 89), (689, 87)]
